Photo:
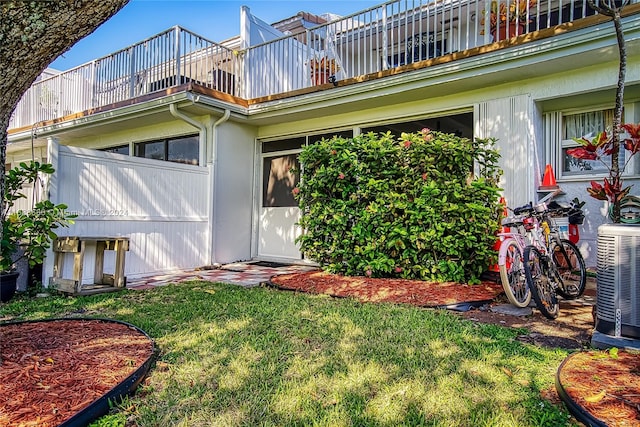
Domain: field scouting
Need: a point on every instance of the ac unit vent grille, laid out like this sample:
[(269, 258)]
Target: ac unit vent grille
[(618, 290), (605, 292)]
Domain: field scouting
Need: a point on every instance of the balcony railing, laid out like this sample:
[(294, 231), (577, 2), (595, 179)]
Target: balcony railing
[(384, 37), (169, 59), (394, 34)]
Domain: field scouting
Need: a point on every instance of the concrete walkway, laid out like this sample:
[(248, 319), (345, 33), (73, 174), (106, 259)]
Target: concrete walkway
[(248, 274)]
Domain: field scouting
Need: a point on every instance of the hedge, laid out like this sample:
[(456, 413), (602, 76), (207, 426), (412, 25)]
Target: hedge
[(411, 207)]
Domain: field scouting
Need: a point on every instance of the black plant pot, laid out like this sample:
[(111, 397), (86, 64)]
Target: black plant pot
[(8, 285)]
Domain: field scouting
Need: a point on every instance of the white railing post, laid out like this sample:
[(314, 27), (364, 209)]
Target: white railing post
[(177, 52), (307, 59), (487, 21), (132, 72), (385, 39), (92, 84)]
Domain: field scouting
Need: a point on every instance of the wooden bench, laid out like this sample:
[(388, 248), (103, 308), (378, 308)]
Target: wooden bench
[(103, 282)]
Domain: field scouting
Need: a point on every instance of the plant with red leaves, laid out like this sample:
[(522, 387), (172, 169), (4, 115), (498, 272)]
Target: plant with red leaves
[(601, 146), (604, 144)]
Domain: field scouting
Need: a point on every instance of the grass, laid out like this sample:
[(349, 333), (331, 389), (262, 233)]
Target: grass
[(231, 356)]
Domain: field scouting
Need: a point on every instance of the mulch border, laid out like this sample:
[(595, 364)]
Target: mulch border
[(373, 283), (579, 411), (102, 405)]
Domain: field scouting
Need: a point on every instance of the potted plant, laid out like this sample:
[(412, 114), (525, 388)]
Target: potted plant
[(508, 20), (604, 146), (31, 231), (323, 70)]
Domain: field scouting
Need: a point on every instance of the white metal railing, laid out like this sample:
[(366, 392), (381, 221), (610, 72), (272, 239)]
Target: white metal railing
[(171, 58), (383, 37), (394, 34)]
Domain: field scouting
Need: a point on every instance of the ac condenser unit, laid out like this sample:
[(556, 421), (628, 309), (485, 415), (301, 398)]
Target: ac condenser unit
[(618, 288)]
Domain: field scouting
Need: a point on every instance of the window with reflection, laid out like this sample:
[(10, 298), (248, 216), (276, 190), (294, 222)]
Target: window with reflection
[(184, 149), (587, 124)]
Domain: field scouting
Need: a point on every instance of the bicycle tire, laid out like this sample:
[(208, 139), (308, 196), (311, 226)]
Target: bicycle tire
[(570, 266), (512, 274), (541, 287)]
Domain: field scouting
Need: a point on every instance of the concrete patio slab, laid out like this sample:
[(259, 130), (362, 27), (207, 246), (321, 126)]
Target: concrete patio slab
[(247, 274)]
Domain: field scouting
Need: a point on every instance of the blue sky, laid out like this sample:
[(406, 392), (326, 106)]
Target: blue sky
[(215, 20)]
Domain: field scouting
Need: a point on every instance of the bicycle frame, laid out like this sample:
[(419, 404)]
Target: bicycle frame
[(536, 233), (519, 238), (542, 240), (544, 236)]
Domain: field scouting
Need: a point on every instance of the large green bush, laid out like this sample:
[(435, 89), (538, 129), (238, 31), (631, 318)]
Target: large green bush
[(412, 208)]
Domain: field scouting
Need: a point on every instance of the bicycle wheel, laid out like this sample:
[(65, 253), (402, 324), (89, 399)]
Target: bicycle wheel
[(572, 273), (541, 287), (512, 274)]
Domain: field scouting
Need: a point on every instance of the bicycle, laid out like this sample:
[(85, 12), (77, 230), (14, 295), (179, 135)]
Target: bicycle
[(510, 263), (552, 265)]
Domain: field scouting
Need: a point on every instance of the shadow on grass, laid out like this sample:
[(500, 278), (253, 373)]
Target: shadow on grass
[(234, 356)]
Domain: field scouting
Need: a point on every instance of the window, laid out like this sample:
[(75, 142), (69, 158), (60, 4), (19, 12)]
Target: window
[(184, 149), (458, 124), (561, 128), (280, 175), (583, 124), (120, 149), (281, 167)]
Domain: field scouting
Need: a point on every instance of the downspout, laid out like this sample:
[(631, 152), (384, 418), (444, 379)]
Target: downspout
[(201, 126), (173, 109), (51, 193), (214, 160)]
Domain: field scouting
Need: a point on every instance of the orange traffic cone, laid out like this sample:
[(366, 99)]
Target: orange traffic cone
[(549, 179)]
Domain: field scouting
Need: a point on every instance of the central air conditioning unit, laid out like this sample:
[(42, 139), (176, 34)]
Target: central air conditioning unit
[(618, 289)]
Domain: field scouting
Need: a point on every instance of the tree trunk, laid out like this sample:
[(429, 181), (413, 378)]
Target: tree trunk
[(32, 35), (609, 8), (617, 118)]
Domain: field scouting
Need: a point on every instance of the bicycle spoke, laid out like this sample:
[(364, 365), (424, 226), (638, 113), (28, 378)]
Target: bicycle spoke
[(542, 288), (512, 274), (571, 270)]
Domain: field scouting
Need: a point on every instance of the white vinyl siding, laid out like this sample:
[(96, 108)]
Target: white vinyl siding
[(510, 121), (160, 206)]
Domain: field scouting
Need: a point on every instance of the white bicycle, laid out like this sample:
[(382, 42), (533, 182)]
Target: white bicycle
[(510, 261)]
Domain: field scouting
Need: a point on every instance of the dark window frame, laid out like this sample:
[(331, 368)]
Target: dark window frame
[(115, 149), (138, 149)]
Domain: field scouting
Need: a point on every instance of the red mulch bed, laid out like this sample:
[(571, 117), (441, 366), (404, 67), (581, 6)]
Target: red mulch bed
[(415, 292), (606, 387), (50, 371)]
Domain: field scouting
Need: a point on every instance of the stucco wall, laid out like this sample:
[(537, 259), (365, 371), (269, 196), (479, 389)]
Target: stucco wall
[(233, 192), (588, 87)]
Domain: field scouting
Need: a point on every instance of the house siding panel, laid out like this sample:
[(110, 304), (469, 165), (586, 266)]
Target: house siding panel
[(160, 206), (510, 121), (234, 192)]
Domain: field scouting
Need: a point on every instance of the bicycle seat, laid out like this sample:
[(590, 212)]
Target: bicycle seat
[(523, 210), (511, 222), (541, 208)]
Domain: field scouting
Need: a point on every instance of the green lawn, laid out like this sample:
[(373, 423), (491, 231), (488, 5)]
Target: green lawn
[(231, 356)]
